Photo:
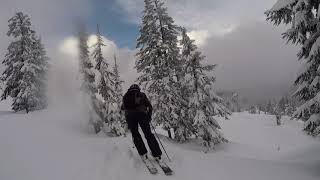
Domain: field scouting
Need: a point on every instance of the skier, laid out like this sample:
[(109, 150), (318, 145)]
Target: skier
[(138, 110)]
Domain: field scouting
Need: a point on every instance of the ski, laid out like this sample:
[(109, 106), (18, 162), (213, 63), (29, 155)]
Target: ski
[(165, 168), (150, 166)]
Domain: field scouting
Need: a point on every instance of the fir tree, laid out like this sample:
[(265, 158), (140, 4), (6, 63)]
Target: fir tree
[(105, 83), (158, 62), (27, 65), (88, 86), (291, 106), (235, 102), (303, 16), (269, 107), (204, 104), (117, 117), (282, 105), (32, 93), (97, 52), (117, 81), (108, 88)]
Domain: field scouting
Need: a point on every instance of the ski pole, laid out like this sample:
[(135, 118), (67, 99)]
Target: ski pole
[(155, 132)]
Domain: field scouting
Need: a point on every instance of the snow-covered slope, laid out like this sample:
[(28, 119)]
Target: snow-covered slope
[(55, 145)]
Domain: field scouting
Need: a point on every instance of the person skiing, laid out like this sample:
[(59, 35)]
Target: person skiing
[(138, 111)]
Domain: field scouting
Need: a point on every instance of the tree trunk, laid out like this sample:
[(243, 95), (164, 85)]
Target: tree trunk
[(278, 117)]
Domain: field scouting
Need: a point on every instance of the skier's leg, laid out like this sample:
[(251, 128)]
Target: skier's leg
[(152, 142), (137, 140)]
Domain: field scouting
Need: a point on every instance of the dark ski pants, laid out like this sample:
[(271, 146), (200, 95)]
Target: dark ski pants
[(139, 118)]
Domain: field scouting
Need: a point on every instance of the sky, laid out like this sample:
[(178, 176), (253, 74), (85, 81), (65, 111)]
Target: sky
[(251, 56)]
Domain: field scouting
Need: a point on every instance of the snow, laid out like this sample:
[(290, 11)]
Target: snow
[(314, 118), (305, 107), (315, 81), (55, 144), (315, 47), (282, 4), (300, 20)]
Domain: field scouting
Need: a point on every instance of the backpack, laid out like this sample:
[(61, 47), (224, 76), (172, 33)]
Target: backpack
[(132, 100)]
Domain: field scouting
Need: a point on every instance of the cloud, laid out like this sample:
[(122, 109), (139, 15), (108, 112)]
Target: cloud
[(253, 60), (47, 16), (217, 17), (69, 47), (200, 37), (125, 57)]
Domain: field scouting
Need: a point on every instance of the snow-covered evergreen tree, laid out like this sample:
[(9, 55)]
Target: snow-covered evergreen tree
[(32, 93), (107, 88), (97, 52), (282, 105), (26, 66), (303, 16), (253, 110), (158, 62), (117, 117), (105, 82), (95, 106), (270, 107), (117, 81), (204, 104), (291, 106)]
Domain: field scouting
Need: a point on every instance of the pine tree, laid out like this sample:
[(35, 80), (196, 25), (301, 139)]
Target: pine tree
[(291, 106), (235, 102), (27, 65), (108, 88), (158, 62), (117, 81), (252, 110), (282, 105), (269, 107), (105, 83), (303, 16), (118, 119), (97, 52), (88, 86), (204, 104), (32, 93)]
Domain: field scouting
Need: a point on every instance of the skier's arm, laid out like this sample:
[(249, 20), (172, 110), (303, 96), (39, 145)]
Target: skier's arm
[(149, 106), (123, 106)]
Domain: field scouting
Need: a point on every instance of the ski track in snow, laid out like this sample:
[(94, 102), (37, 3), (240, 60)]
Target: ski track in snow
[(50, 145)]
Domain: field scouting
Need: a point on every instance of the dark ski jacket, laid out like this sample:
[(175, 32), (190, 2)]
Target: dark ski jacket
[(136, 101)]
